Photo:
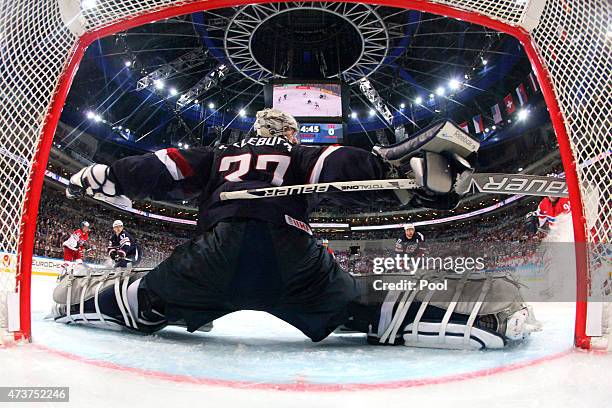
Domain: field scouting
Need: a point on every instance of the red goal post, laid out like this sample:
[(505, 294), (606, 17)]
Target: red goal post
[(42, 43)]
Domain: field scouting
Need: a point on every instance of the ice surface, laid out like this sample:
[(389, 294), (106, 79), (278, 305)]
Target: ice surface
[(297, 103)]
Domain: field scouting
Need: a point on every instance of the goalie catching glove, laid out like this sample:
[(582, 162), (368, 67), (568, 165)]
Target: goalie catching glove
[(96, 181), (437, 158)]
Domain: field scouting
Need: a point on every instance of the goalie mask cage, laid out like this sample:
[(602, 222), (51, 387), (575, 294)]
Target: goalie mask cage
[(41, 43)]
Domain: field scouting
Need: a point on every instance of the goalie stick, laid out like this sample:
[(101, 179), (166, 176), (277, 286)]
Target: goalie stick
[(493, 183)]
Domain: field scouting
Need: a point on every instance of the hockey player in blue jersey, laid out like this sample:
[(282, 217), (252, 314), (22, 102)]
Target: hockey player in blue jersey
[(122, 247)]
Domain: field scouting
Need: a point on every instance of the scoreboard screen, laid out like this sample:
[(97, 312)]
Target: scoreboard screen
[(321, 133), (308, 100)]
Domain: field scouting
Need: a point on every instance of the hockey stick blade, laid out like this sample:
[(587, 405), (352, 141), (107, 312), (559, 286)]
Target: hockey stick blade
[(500, 183), (493, 183)]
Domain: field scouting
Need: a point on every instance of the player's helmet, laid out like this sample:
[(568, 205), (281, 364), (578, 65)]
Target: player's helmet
[(84, 224), (117, 223), (274, 123), (408, 226)]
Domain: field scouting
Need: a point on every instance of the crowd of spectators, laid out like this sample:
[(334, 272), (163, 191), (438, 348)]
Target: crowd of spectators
[(58, 218), (503, 234), (502, 240)]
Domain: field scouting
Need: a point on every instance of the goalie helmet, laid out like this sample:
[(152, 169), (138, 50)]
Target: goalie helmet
[(275, 123)]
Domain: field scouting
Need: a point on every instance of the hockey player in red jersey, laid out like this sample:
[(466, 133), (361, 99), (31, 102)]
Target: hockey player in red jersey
[(261, 254), (76, 244), (550, 208), (549, 212)]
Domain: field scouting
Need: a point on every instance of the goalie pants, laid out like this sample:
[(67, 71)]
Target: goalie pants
[(246, 264)]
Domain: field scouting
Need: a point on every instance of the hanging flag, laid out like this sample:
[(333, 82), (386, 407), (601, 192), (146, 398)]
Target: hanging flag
[(533, 82), (509, 103), (497, 116), (464, 126), (522, 94), (478, 125)]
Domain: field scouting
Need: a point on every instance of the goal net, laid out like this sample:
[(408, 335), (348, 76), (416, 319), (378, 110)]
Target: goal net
[(569, 43)]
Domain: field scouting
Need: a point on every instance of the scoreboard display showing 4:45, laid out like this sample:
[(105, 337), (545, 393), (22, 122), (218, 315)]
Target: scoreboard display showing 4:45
[(321, 133)]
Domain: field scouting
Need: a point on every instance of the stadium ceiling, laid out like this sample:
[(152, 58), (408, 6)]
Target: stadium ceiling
[(405, 54), (348, 41)]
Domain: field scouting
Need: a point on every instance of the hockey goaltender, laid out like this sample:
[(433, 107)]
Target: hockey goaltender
[(261, 255)]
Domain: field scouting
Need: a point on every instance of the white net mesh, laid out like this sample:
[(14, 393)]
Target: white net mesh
[(35, 47), (575, 43)]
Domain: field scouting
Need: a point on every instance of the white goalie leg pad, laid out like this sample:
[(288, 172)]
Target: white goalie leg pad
[(454, 337), (76, 288), (471, 295)]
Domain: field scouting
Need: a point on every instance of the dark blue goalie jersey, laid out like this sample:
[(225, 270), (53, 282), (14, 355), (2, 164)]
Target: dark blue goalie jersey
[(203, 173)]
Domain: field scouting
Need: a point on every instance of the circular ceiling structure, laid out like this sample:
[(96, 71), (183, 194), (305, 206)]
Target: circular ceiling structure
[(306, 40)]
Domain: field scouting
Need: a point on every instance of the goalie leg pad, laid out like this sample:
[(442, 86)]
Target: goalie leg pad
[(474, 312), (110, 299)]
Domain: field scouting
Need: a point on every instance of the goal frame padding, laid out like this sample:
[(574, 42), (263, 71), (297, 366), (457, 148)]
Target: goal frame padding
[(37, 173)]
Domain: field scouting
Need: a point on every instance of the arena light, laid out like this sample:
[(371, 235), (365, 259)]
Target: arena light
[(173, 92), (440, 91), (487, 130), (431, 96), (242, 113), (97, 118), (88, 4), (128, 63), (402, 105), (454, 84), (90, 115), (159, 84), (493, 127), (418, 100), (210, 105), (180, 144), (372, 112), (186, 146), (353, 115), (484, 61), (522, 115)]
